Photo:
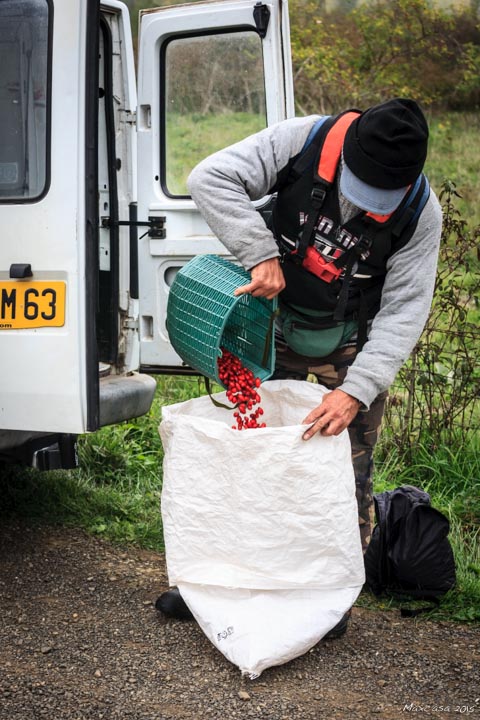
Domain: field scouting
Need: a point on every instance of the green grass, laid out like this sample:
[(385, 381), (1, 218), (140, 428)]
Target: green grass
[(191, 138), (454, 154)]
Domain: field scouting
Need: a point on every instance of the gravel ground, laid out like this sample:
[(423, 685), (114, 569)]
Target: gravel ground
[(80, 638)]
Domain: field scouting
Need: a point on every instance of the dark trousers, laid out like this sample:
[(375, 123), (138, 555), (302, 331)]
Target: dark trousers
[(364, 430)]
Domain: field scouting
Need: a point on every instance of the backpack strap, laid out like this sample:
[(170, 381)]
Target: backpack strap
[(330, 138), (308, 153), (324, 178), (416, 201), (332, 147)]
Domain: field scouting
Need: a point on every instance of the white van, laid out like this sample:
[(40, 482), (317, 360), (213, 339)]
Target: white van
[(95, 214)]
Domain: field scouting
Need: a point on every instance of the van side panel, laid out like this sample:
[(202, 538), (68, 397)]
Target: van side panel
[(43, 373)]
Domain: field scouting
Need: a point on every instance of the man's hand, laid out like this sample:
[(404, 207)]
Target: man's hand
[(267, 280), (334, 414)]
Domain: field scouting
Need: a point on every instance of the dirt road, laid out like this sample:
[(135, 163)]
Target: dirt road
[(80, 639)]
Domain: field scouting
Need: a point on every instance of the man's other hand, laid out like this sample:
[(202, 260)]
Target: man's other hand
[(267, 280), (334, 414)]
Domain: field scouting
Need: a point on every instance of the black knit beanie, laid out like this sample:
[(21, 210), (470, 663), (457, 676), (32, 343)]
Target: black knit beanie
[(386, 146)]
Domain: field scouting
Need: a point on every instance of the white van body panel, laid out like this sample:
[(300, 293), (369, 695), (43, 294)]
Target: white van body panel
[(42, 376)]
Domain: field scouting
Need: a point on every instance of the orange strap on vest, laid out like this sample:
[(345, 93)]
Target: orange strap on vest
[(379, 218), (332, 147)]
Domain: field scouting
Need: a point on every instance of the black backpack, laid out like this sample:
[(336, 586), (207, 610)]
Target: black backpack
[(409, 555)]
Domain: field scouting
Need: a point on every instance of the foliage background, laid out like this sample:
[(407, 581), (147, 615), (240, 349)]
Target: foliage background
[(355, 54)]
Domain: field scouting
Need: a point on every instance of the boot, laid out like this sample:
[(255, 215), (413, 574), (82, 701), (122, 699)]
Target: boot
[(340, 628), (171, 604)]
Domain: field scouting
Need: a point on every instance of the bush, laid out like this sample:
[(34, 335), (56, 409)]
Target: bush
[(382, 49), (435, 398)]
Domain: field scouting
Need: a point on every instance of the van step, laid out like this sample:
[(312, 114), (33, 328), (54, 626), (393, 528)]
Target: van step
[(125, 396)]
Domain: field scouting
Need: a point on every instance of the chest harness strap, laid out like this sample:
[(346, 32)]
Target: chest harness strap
[(323, 180), (306, 254)]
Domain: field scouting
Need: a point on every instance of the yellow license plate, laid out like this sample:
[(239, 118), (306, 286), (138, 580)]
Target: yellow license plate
[(31, 304)]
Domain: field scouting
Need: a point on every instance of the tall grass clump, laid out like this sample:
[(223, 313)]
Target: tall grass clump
[(454, 157)]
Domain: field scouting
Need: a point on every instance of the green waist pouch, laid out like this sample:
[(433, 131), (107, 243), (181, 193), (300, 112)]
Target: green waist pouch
[(314, 333)]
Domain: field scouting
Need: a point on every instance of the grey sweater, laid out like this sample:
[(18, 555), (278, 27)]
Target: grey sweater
[(224, 186)]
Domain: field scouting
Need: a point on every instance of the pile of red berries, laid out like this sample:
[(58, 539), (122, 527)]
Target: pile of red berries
[(242, 388)]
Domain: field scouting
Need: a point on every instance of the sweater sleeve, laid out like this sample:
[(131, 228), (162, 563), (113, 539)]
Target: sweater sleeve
[(405, 305), (225, 184)]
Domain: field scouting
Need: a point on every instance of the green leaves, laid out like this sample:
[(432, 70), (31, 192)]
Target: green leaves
[(377, 50)]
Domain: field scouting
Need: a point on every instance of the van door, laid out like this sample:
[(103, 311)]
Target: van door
[(209, 74)]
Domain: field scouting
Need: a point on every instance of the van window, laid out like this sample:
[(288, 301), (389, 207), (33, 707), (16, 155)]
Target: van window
[(23, 98), (214, 96)]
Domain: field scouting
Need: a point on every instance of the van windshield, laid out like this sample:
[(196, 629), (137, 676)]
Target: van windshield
[(23, 98)]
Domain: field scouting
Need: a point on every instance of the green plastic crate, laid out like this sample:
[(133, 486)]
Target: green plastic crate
[(203, 316)]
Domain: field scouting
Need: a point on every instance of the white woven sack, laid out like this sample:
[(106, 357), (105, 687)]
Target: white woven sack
[(261, 527)]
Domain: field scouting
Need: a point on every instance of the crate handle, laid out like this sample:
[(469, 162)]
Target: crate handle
[(217, 403), (268, 339)]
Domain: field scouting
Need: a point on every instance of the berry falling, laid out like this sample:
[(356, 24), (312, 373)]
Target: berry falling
[(242, 390)]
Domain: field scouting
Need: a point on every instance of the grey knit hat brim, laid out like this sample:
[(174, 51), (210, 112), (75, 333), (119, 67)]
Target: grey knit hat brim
[(366, 197)]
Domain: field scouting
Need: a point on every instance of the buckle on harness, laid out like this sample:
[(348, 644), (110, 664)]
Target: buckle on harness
[(364, 244), (318, 196), (317, 265)]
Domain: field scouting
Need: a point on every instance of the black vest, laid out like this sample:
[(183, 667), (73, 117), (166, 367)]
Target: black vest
[(332, 239)]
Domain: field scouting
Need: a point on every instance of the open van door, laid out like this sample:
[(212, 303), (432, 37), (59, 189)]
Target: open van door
[(209, 74)]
